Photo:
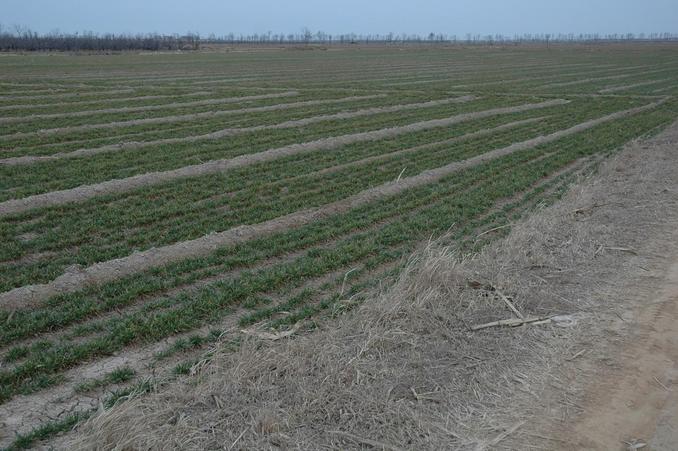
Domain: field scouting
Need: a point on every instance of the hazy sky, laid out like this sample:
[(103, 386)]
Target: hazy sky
[(342, 16)]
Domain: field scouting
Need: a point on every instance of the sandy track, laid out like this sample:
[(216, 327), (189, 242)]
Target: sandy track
[(86, 192), (638, 402), (128, 109), (28, 159), (620, 390), (115, 269)]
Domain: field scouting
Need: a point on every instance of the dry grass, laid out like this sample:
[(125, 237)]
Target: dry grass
[(404, 370)]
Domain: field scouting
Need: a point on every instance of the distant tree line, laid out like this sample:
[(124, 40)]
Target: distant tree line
[(320, 37), (23, 39)]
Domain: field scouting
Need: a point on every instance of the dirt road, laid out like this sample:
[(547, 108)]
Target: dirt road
[(636, 405), (624, 386)]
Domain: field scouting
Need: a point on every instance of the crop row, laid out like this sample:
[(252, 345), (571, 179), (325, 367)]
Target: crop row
[(477, 80), (71, 128), (333, 74), (18, 182), (90, 237), (185, 268), (23, 109), (594, 85), (20, 110), (227, 260), (466, 72), (129, 67), (105, 228), (448, 191), (186, 111), (64, 309), (53, 100), (352, 285), (317, 111), (559, 74), (584, 83), (216, 300)]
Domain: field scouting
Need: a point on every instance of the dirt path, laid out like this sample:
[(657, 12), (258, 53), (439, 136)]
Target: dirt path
[(155, 257), (615, 386), (639, 402)]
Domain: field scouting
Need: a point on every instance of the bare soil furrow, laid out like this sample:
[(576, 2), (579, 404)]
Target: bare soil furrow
[(156, 257), (83, 193)]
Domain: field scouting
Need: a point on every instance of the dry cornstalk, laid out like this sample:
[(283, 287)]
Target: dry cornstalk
[(508, 303), (513, 322)]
